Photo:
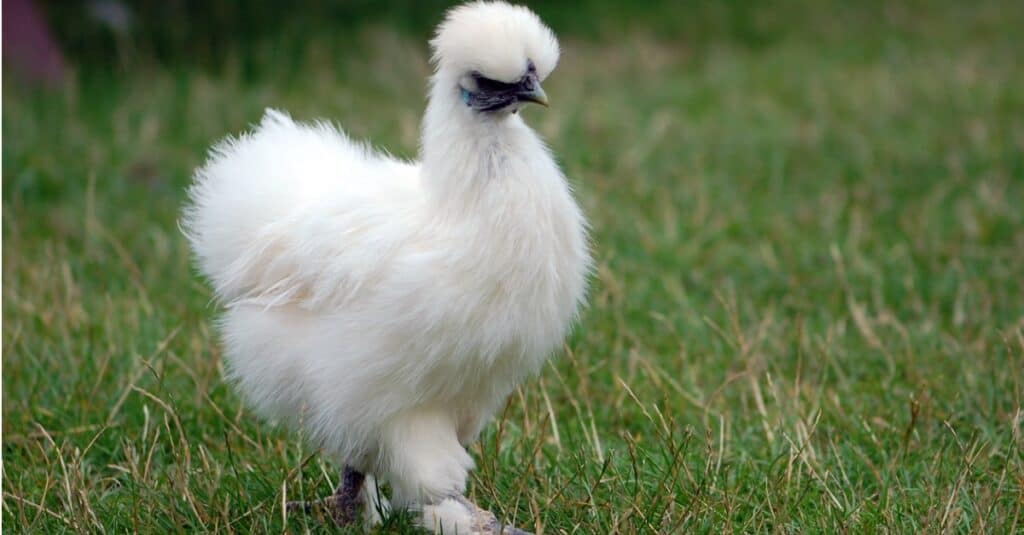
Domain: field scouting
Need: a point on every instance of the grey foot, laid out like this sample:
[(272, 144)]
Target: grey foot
[(344, 506)]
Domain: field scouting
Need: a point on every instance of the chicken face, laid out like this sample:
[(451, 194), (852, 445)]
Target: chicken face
[(485, 94)]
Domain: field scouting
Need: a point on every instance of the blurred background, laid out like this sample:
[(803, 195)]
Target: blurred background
[(807, 311)]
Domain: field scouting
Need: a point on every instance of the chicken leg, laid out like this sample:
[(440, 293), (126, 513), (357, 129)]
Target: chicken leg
[(344, 506)]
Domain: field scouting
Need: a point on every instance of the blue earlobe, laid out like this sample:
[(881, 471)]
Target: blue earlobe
[(466, 95)]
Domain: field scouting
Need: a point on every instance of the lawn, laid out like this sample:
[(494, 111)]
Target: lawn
[(807, 313)]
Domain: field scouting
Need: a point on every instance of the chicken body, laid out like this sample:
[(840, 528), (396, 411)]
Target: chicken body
[(385, 317)]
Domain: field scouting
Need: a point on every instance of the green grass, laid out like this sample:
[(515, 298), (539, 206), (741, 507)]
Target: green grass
[(808, 312)]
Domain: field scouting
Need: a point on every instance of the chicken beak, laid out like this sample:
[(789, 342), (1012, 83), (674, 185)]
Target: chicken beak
[(534, 94)]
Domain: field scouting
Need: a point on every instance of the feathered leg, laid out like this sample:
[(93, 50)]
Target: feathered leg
[(346, 504), (428, 468)]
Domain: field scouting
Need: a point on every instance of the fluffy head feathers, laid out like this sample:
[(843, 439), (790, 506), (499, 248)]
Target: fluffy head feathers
[(495, 39)]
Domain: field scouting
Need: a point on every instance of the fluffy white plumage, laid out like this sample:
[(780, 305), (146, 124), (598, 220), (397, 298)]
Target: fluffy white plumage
[(388, 308)]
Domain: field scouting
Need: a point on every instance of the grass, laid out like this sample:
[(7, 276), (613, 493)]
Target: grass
[(808, 312)]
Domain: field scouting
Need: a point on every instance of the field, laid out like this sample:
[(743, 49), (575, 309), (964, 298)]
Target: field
[(807, 313)]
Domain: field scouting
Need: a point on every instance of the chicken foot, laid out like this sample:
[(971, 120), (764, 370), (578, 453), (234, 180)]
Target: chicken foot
[(344, 506), (458, 511)]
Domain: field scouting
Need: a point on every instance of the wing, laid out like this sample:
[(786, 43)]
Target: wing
[(298, 213)]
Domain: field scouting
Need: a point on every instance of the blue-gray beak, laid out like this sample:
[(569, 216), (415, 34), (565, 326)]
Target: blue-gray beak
[(535, 94)]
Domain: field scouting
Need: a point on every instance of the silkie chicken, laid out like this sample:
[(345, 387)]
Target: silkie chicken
[(386, 309)]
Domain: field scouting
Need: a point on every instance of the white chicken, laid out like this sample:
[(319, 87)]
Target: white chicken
[(387, 309)]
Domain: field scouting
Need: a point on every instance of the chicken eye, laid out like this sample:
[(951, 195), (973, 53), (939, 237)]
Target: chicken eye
[(493, 86)]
